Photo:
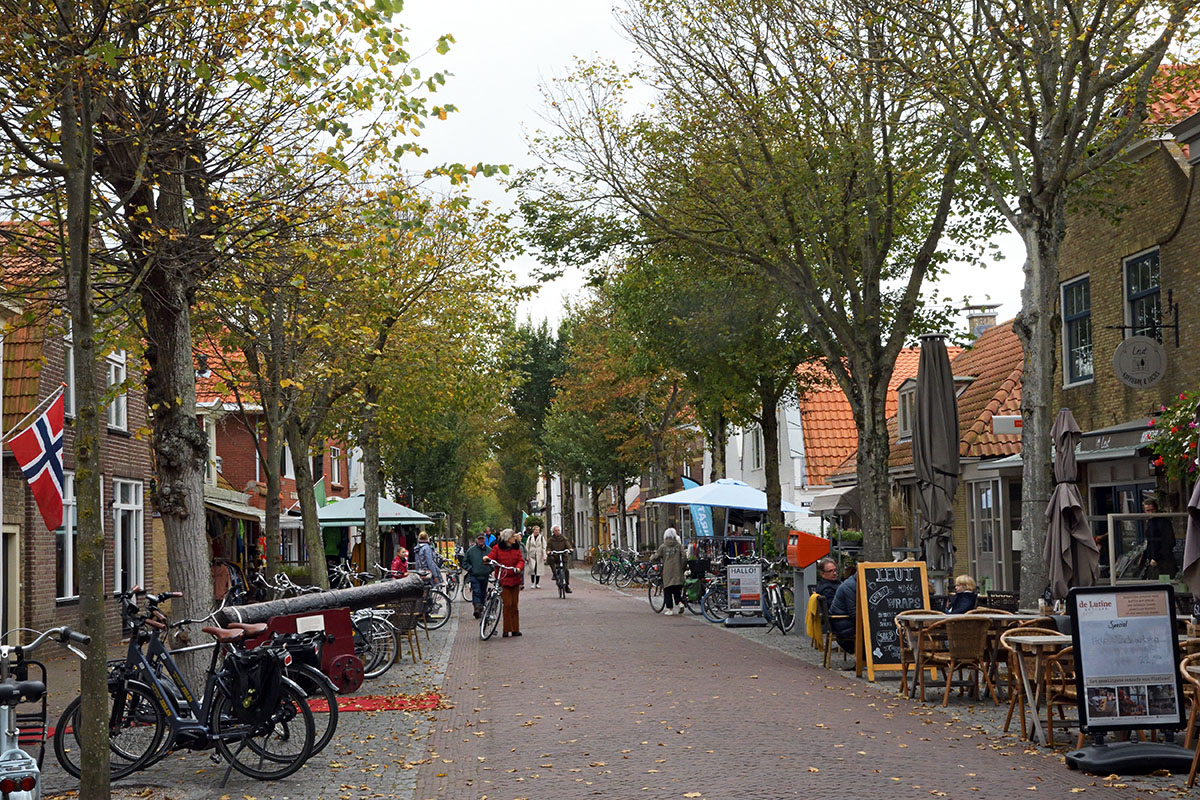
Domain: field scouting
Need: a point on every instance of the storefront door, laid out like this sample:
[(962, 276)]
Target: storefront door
[(1116, 499)]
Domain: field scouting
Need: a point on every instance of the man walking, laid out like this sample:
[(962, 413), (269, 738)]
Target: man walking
[(478, 571), (560, 542)]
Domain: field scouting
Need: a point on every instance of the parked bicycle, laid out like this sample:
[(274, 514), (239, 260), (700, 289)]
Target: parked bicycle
[(19, 770)]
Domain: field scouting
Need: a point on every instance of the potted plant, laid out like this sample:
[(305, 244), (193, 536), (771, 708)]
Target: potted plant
[(898, 515)]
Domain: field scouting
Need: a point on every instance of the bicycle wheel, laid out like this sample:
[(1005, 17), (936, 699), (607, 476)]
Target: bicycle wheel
[(560, 578), (366, 646), (271, 750), (322, 701), (385, 645), (437, 610), (624, 576), (691, 600), (490, 617), (715, 604), (597, 569), (136, 729), (789, 608), (465, 587), (654, 592)]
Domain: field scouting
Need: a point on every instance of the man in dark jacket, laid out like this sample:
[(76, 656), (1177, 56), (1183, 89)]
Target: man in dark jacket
[(827, 580), (478, 571), (558, 541)]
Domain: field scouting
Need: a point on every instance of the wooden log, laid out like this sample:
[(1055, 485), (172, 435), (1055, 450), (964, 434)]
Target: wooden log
[(354, 598)]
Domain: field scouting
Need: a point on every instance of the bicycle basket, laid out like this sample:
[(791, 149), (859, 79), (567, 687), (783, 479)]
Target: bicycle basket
[(255, 682)]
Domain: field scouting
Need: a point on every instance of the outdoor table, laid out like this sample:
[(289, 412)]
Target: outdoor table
[(915, 623), (1037, 646)]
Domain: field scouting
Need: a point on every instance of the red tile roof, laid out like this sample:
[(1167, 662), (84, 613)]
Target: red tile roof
[(830, 434), (1175, 94), (995, 361)]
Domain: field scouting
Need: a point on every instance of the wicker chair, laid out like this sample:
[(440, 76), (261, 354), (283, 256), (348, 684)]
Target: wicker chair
[(1016, 694), (965, 649), (1058, 687), (405, 620), (1191, 691), (907, 653)]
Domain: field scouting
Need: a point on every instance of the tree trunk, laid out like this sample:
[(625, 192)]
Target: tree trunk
[(568, 507), (872, 471), (368, 440), (1037, 328), (718, 438), (769, 422), (180, 447), (77, 150), (621, 534), (308, 504), (548, 513), (596, 517), (273, 416)]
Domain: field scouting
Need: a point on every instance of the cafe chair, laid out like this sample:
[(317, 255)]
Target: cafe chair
[(405, 620), (909, 648), (1016, 693), (1059, 690), (827, 628), (1191, 692), (966, 642)]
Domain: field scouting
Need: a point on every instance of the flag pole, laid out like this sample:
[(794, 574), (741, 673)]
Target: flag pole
[(38, 410)]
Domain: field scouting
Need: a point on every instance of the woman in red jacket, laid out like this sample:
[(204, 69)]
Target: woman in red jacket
[(507, 552)]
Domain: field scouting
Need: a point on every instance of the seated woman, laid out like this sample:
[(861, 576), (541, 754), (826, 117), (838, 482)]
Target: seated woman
[(965, 595)]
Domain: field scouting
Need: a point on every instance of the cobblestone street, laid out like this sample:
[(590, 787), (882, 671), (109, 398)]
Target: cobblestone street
[(600, 697)]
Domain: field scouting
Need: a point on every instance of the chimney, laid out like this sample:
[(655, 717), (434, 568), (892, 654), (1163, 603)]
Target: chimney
[(979, 319)]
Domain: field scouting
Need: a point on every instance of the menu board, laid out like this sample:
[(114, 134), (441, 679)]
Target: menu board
[(884, 590), (1126, 657)]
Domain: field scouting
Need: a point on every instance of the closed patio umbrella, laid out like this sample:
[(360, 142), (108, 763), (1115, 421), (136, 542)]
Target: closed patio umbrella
[(1071, 552), (935, 452), (1191, 542)]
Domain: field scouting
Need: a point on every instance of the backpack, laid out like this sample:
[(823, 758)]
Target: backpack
[(255, 683)]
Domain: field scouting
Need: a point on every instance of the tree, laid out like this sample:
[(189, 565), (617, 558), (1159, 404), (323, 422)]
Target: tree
[(1045, 95), (780, 140), (536, 359)]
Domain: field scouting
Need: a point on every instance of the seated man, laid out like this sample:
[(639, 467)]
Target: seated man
[(845, 605)]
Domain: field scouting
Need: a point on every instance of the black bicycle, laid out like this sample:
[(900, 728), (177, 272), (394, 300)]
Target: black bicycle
[(559, 566)]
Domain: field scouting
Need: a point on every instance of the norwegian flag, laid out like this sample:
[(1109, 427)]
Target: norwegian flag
[(38, 450)]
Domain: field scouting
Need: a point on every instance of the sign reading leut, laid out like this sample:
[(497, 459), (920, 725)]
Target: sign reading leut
[(1140, 362)]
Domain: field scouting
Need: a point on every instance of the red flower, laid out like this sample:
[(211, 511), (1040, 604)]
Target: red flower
[(1158, 462), (1174, 429), (1152, 421)]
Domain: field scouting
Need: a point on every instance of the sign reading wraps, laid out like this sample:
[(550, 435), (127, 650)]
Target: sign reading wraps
[(1140, 362), (1126, 655), (884, 590)]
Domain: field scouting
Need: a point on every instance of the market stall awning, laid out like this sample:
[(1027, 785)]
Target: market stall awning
[(351, 511), (230, 503), (724, 493), (838, 500)]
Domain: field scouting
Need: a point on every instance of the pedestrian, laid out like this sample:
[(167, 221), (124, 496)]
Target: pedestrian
[(556, 546), (400, 563), (507, 552), (965, 596), (426, 559), (488, 536), (1160, 543), (535, 557), (670, 553), (478, 571)]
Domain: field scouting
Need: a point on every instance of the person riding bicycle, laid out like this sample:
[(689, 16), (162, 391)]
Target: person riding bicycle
[(426, 559), (560, 542), (478, 571), (507, 552)]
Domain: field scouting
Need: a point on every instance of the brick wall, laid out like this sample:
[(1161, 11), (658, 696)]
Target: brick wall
[(122, 455), (239, 458), (1152, 194)]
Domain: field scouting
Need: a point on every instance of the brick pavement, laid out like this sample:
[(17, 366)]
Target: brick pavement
[(602, 698)]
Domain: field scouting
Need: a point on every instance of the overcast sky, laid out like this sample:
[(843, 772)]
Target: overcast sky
[(503, 53)]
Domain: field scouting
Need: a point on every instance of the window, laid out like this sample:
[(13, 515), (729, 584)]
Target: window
[(904, 411), (210, 435), (985, 515), (285, 462), (756, 448), (1077, 331), (1143, 295), (687, 468), (65, 539), (69, 372), (117, 409), (335, 466), (129, 546)]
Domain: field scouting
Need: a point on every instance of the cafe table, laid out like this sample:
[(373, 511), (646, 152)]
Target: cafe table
[(1038, 646), (914, 624)]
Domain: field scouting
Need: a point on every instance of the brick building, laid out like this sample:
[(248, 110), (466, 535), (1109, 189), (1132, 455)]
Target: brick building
[(1121, 279), (40, 589)]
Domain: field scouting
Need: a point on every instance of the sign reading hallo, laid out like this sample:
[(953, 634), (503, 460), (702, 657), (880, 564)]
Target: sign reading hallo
[(1140, 362)]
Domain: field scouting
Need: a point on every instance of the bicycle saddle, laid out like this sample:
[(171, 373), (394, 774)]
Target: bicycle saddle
[(224, 635), (13, 692), (252, 629)]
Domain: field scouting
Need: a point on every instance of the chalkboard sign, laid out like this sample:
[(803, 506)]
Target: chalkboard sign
[(884, 590)]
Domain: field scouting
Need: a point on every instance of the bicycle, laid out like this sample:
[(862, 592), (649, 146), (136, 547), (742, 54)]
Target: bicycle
[(436, 606), (20, 771), (157, 714), (779, 603), (560, 571), (491, 606)]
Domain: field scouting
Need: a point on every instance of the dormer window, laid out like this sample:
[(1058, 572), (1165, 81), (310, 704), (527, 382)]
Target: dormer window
[(906, 403)]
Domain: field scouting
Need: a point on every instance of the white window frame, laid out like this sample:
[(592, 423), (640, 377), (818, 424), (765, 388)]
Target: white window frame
[(1127, 301), (335, 466), (994, 518), (69, 371), (906, 401), (67, 589), (1066, 333), (287, 469), (756, 448), (210, 466), (134, 512), (118, 409)]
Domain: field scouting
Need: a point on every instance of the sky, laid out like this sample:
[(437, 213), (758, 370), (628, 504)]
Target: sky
[(504, 52)]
